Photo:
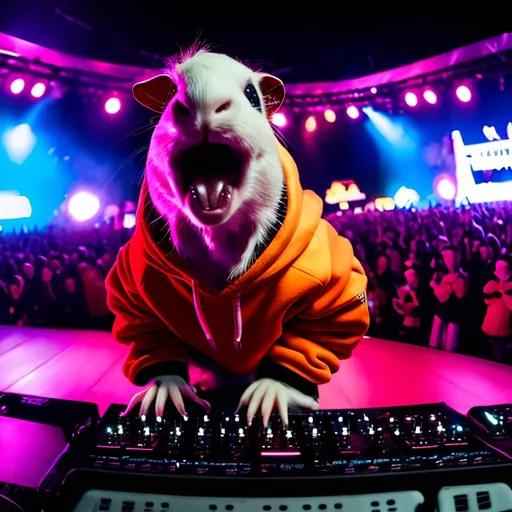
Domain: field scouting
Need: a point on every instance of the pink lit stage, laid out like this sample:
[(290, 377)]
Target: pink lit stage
[(86, 366)]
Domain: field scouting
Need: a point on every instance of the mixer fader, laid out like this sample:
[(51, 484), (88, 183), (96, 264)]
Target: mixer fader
[(429, 431)]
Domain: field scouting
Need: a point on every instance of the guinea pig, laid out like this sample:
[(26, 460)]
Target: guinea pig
[(213, 168)]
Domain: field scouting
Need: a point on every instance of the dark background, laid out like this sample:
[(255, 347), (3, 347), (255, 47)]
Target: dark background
[(308, 41)]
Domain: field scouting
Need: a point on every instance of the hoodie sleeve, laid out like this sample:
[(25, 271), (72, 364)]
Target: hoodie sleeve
[(328, 328), (154, 349)]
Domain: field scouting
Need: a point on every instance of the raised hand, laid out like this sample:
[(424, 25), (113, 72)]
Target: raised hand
[(266, 394), (160, 390)]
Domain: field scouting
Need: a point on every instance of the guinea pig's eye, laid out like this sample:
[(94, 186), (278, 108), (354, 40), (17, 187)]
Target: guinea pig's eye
[(252, 95)]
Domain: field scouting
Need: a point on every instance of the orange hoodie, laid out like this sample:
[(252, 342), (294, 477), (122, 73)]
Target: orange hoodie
[(298, 310)]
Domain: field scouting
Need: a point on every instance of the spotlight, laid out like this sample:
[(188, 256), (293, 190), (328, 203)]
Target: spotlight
[(430, 97), (83, 206), (19, 143), (373, 90), (38, 90), (406, 197), (445, 187), (411, 99), (353, 112), (17, 86), (463, 93), (112, 106), (310, 124), (330, 115), (279, 120)]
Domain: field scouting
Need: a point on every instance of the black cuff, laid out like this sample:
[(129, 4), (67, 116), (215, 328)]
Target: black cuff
[(270, 370), (165, 368)]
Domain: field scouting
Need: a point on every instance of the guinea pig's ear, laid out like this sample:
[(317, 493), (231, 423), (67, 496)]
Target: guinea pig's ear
[(155, 93), (273, 93)]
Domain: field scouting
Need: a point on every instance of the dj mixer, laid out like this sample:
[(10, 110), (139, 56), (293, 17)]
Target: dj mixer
[(388, 459), (336, 442)]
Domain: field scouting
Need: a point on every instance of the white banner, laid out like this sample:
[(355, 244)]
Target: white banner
[(490, 156)]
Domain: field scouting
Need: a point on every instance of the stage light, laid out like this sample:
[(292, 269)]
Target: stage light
[(129, 220), (17, 86), (384, 204), (19, 143), (411, 99), (83, 206), (373, 90), (310, 124), (463, 93), (353, 112), (14, 207), (406, 197), (38, 90), (330, 115), (446, 189), (112, 106), (279, 120), (430, 97)]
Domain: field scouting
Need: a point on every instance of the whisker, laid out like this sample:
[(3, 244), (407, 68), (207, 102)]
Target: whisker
[(138, 131), (124, 163)]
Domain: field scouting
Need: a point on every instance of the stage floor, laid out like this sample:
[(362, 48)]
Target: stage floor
[(86, 366)]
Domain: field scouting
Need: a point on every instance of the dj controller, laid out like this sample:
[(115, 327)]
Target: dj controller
[(387, 459)]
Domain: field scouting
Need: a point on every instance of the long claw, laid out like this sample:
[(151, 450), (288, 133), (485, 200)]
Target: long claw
[(137, 398), (177, 400), (255, 402), (282, 405), (148, 400), (161, 399)]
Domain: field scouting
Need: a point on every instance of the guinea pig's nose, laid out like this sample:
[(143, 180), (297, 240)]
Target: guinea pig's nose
[(223, 107)]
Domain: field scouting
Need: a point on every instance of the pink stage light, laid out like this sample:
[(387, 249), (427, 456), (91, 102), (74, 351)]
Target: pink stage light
[(330, 115), (373, 90), (112, 106), (310, 124), (38, 90), (430, 97), (446, 189), (279, 120), (411, 99), (17, 86), (463, 93), (83, 206), (352, 112)]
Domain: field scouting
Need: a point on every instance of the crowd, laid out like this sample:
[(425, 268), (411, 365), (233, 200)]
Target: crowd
[(56, 278), (440, 277)]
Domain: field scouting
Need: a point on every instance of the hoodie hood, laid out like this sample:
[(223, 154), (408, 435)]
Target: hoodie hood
[(303, 214)]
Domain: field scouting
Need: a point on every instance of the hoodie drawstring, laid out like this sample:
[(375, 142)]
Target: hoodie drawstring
[(237, 314), (238, 322)]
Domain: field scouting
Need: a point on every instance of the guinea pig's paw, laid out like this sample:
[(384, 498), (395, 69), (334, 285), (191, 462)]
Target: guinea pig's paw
[(142, 397)]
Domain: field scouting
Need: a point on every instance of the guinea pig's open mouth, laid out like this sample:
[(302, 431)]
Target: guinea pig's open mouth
[(210, 174)]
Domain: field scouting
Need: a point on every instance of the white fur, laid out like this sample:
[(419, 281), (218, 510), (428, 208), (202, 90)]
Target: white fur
[(205, 81)]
